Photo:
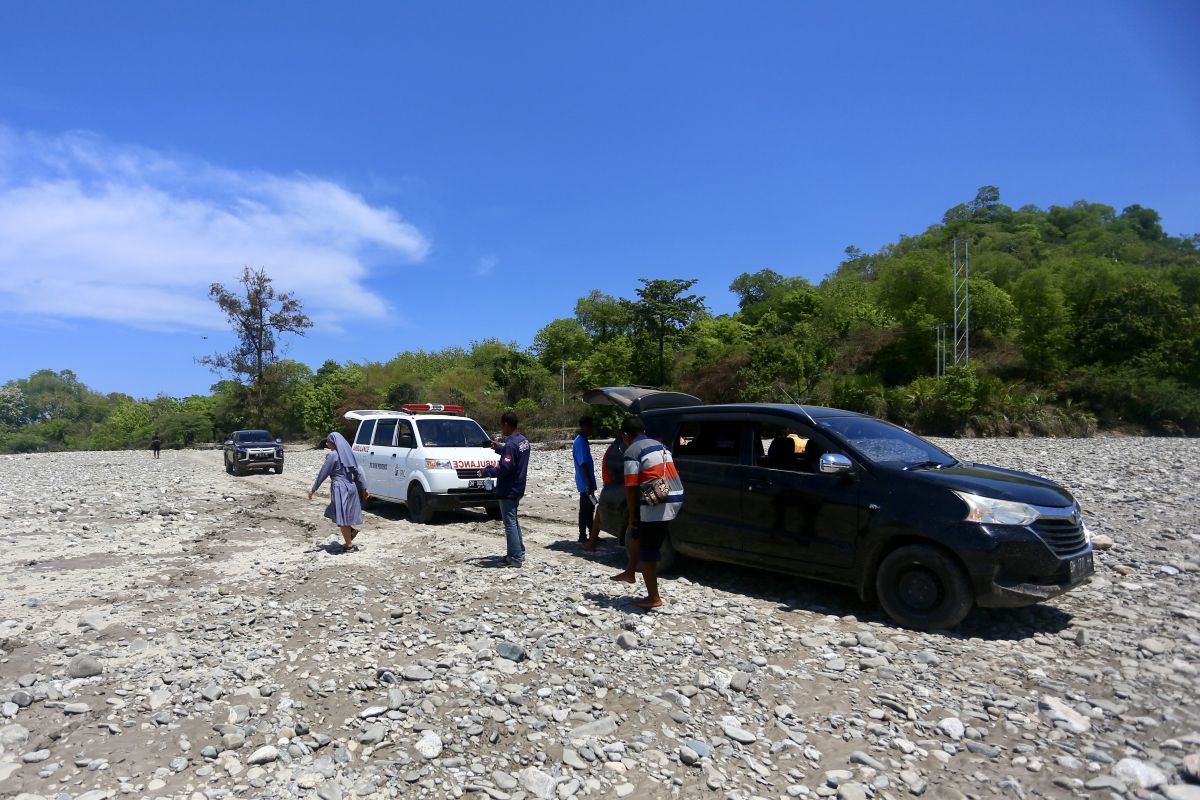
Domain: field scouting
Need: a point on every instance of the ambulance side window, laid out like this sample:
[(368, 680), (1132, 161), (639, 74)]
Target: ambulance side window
[(384, 430), (364, 431), (404, 435)]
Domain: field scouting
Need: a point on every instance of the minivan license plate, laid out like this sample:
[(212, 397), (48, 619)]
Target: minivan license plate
[(1080, 568)]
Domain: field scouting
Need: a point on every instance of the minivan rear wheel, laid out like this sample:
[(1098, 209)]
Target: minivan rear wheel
[(923, 588)]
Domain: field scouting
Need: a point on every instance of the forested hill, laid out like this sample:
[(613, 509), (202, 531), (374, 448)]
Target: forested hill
[(1081, 317)]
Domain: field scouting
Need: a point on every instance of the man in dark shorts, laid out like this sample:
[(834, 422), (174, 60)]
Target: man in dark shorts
[(156, 444), (654, 495)]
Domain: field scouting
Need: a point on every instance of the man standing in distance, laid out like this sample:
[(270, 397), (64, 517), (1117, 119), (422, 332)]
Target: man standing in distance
[(585, 476), (510, 484), (654, 495)]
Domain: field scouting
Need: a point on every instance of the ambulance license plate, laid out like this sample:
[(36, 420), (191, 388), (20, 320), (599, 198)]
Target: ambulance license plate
[(474, 484)]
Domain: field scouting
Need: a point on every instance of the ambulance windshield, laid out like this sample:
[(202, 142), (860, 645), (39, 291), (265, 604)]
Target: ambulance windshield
[(452, 433)]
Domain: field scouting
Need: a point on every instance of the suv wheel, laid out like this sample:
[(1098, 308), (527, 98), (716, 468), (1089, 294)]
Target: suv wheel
[(237, 470), (923, 588), (418, 505), (279, 470), (228, 466)]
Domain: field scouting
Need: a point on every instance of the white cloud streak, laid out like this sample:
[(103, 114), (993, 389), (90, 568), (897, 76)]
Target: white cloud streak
[(94, 230)]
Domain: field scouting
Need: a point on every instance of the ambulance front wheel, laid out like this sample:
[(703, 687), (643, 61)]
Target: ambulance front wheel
[(419, 510), (493, 510)]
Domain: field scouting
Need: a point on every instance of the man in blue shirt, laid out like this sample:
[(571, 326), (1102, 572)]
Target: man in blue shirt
[(510, 484), (585, 477)]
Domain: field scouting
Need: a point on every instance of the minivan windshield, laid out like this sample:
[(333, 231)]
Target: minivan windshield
[(452, 433), (253, 436), (888, 445)]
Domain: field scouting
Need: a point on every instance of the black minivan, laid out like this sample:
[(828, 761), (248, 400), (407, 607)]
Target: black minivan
[(847, 498)]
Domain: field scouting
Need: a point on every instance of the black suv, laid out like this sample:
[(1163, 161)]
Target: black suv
[(251, 450), (847, 498)]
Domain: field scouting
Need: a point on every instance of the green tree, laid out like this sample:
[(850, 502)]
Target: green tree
[(752, 288), (12, 406), (562, 341), (1045, 320), (259, 317), (663, 309), (602, 315)]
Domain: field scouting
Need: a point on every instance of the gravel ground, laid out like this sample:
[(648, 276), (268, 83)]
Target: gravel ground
[(167, 630)]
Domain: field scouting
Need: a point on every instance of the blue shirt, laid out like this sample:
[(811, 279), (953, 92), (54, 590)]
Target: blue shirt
[(510, 472), (585, 468)]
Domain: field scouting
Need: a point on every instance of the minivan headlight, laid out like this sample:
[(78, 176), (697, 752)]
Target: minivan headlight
[(988, 510), (433, 463)]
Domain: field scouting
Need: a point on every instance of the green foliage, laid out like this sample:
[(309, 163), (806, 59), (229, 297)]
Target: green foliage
[(1080, 317)]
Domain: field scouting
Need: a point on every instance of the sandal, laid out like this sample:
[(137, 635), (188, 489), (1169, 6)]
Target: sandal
[(351, 549)]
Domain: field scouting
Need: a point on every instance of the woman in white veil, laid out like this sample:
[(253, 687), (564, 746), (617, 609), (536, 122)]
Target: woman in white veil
[(345, 487)]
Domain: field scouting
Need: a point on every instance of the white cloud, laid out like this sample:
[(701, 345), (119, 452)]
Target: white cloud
[(91, 229), (487, 265)]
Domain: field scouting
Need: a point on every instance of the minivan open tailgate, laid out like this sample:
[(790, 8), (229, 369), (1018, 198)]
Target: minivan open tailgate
[(636, 399)]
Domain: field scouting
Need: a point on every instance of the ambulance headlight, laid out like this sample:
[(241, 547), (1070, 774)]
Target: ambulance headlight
[(434, 463)]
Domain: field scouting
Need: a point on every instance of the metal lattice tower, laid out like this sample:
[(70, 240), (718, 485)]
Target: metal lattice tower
[(960, 253)]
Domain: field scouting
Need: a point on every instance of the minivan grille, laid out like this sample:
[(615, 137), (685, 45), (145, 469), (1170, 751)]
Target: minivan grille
[(466, 474), (1064, 534)]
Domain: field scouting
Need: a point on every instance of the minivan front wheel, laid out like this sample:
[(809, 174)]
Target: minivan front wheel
[(419, 510), (923, 588)]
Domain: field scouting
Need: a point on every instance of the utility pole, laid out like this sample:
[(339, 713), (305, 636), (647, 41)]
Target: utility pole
[(960, 256), (564, 383)]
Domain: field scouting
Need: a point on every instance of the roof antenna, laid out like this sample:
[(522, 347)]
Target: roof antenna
[(786, 394)]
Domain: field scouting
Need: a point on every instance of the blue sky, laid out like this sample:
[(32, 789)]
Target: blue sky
[(429, 174)]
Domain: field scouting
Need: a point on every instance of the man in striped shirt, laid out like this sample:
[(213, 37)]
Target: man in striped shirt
[(654, 495)]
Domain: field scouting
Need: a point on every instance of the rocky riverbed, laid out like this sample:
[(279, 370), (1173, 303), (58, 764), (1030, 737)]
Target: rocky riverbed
[(167, 630)]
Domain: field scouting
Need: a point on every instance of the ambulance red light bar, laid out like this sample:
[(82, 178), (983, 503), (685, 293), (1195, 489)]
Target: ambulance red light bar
[(433, 408)]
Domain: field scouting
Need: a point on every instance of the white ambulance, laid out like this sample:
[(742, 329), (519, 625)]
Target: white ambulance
[(428, 456)]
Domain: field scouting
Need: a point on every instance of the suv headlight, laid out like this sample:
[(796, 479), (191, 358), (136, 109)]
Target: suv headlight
[(988, 510), (279, 452), (433, 463)]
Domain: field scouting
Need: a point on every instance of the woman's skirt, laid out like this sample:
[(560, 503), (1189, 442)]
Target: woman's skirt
[(344, 505)]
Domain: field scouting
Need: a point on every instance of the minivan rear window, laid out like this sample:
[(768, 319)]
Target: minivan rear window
[(710, 440)]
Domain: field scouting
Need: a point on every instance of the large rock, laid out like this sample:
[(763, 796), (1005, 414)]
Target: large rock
[(605, 726), (84, 666), (537, 783), (263, 755), (429, 745), (1062, 715), (952, 727), (1139, 773)]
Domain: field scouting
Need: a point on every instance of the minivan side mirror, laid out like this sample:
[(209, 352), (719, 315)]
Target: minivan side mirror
[(835, 464)]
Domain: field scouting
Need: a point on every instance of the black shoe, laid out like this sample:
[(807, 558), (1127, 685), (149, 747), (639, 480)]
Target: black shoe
[(512, 562)]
